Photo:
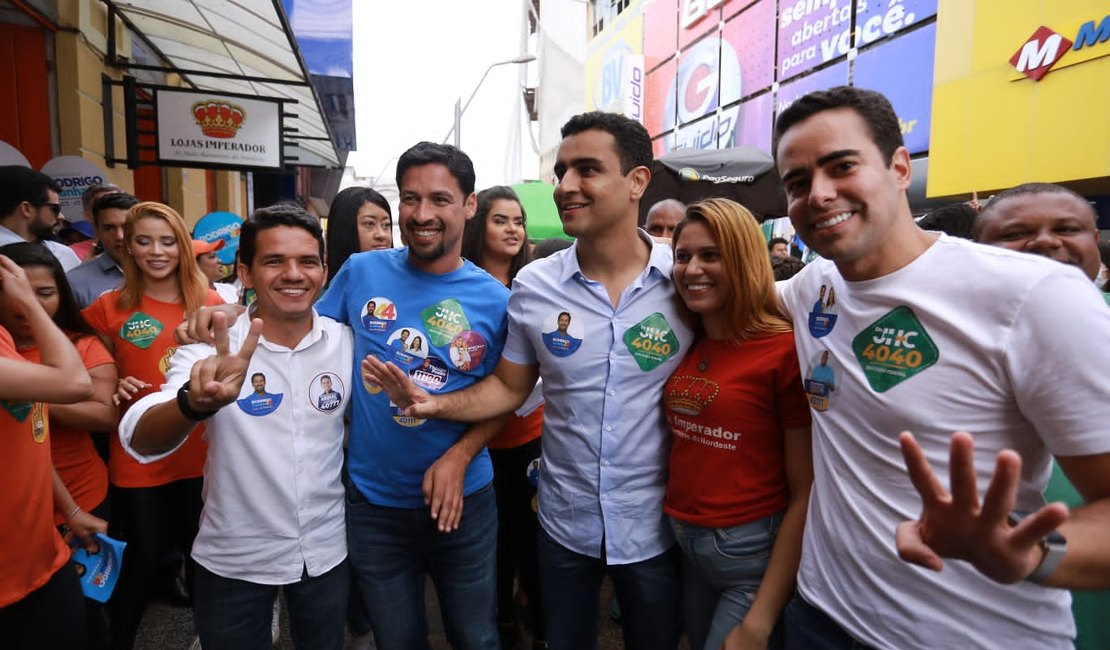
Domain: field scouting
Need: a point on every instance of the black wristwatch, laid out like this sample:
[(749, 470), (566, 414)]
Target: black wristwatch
[(1054, 546), (188, 411)]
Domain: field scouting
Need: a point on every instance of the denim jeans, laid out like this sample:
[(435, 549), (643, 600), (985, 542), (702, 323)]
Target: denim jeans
[(391, 550), (808, 628), (647, 592), (233, 614), (721, 572)]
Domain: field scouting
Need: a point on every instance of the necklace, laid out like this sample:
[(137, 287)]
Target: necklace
[(703, 365)]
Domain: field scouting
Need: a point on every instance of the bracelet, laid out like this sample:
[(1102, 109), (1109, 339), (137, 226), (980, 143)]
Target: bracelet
[(188, 411), (76, 509)]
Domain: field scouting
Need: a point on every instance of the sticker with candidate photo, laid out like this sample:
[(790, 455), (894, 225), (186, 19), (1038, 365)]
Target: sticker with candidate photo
[(820, 380), (430, 374), (533, 472), (407, 347), (259, 401), (326, 391), (822, 316), (467, 350), (565, 335), (378, 314)]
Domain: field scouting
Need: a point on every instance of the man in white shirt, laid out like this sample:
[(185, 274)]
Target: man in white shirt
[(273, 513), (29, 211)]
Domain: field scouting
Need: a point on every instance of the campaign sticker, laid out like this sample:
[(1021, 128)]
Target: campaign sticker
[(651, 342), (894, 348), (430, 374), (378, 313), (368, 385), (404, 420), (325, 393), (565, 337), (259, 402), (444, 321), (467, 350), (140, 330), (533, 472), (820, 381), (822, 317), (19, 410), (407, 347), (164, 362)]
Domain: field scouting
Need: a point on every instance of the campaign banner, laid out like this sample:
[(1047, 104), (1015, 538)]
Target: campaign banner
[(902, 69), (835, 75), (754, 120), (98, 572), (751, 38), (878, 18), (201, 129), (220, 225), (75, 175)]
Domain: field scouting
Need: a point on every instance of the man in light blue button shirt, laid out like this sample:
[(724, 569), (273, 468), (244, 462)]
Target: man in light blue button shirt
[(599, 322)]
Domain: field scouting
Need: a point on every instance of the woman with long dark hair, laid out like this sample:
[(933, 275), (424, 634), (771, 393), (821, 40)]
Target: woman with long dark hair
[(359, 220), (155, 506), (496, 239), (741, 460)]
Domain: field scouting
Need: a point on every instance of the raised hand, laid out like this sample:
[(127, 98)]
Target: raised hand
[(401, 390), (216, 381)]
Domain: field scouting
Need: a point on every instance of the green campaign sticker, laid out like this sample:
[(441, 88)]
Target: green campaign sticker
[(140, 330), (894, 348), (444, 321), (19, 410), (651, 342)]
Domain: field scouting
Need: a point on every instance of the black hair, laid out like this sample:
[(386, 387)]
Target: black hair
[(1028, 188), (342, 235), (550, 246), (69, 317), (955, 219), (19, 184), (777, 240), (279, 214), (428, 153), (872, 107), (258, 374), (116, 200), (784, 268), (91, 192), (474, 233), (633, 141)]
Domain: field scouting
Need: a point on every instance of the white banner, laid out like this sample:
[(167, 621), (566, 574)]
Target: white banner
[(204, 128)]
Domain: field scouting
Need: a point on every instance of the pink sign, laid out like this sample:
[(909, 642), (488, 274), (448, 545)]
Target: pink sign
[(752, 37), (660, 32)]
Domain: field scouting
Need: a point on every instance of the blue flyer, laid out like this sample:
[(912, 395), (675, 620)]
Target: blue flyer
[(98, 572)]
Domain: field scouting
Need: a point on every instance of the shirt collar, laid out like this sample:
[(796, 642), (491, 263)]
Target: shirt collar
[(660, 261), (105, 262), (316, 333)]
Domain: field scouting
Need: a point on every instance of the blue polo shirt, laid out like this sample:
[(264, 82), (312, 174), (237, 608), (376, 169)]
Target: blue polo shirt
[(417, 318), (605, 440)]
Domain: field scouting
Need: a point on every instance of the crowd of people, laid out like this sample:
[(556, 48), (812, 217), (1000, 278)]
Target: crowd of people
[(872, 450)]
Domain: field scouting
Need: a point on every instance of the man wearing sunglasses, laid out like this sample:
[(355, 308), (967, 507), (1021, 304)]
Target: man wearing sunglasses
[(29, 211)]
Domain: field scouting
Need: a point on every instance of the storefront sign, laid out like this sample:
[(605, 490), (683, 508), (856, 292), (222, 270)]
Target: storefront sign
[(1041, 51), (204, 129), (895, 69)]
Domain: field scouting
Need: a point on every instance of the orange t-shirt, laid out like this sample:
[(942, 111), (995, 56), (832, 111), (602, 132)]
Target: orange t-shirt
[(72, 450), (519, 430), (143, 342), (31, 550)]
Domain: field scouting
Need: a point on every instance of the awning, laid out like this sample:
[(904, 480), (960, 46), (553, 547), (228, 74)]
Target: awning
[(236, 46)]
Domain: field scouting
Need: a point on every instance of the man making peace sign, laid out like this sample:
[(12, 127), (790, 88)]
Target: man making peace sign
[(273, 511)]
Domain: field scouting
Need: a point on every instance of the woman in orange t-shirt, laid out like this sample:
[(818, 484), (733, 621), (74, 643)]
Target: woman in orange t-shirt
[(41, 605), (741, 464), (155, 506), (496, 240)]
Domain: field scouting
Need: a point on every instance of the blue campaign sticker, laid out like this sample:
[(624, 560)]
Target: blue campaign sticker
[(378, 314), (407, 347), (404, 420), (431, 373), (259, 402), (565, 336), (326, 392), (822, 317), (533, 472), (820, 381)]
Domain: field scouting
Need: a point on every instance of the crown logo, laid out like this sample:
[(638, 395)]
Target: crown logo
[(689, 395), (218, 119)]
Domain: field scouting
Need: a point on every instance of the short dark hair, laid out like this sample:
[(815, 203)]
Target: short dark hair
[(784, 268), (91, 192), (19, 184), (777, 240), (1032, 188), (550, 246), (955, 219), (633, 141), (474, 233), (342, 236), (873, 107), (428, 153), (279, 214), (116, 200), (69, 317)]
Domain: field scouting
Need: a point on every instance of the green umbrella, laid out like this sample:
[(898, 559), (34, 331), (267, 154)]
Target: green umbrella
[(543, 216)]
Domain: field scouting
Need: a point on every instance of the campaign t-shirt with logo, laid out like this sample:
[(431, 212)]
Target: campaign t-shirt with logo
[(143, 343)]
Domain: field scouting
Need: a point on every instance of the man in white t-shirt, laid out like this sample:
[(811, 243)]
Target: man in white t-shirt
[(273, 512), (934, 335)]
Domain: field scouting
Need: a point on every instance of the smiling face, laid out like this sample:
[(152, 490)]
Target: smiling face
[(433, 212), (325, 384), (1053, 224), (258, 383), (593, 195), (42, 283), (699, 276), (504, 229), (286, 273), (843, 199), (154, 247), (375, 228)]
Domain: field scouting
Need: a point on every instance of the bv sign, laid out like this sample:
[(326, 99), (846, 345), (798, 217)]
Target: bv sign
[(1041, 51)]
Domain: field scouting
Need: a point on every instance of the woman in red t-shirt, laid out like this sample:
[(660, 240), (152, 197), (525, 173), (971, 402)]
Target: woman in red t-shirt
[(155, 506), (40, 597), (496, 240), (741, 461)]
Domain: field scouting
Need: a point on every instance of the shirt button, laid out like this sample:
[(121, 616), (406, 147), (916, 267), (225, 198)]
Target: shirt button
[(612, 392), (605, 463), (608, 428)]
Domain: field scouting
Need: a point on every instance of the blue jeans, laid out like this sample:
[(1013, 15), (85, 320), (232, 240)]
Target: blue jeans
[(233, 614), (647, 592), (721, 572), (391, 550), (808, 628)]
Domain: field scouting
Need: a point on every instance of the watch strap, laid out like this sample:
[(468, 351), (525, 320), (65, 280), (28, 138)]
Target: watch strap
[(186, 409)]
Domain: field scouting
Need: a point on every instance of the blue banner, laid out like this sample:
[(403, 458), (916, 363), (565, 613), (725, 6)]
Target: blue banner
[(902, 69)]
